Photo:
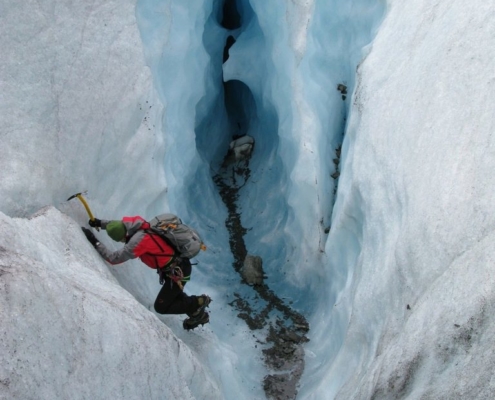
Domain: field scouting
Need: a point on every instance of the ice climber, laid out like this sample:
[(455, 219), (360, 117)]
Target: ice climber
[(158, 253)]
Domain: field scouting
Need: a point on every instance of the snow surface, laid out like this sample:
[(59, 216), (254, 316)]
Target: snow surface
[(126, 101)]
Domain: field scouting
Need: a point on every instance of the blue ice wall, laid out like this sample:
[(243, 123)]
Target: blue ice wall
[(283, 72)]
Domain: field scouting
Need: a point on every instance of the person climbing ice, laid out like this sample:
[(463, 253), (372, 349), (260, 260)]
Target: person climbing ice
[(164, 244)]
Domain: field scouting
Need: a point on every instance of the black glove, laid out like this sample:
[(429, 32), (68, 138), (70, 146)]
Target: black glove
[(91, 238), (95, 223)]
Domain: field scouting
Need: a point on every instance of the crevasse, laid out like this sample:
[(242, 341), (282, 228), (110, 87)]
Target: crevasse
[(294, 64)]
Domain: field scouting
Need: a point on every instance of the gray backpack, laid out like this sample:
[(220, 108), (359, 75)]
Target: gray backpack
[(184, 239)]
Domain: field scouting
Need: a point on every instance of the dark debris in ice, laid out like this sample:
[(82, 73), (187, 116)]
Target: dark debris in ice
[(283, 328)]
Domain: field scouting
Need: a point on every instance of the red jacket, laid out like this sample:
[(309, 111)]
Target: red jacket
[(151, 249)]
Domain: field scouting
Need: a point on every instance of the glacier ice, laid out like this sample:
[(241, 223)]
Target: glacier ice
[(411, 220), (73, 331)]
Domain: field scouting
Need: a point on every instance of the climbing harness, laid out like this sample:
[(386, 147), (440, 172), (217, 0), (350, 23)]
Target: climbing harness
[(174, 272)]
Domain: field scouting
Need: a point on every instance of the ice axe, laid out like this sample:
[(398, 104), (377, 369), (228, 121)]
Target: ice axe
[(85, 204)]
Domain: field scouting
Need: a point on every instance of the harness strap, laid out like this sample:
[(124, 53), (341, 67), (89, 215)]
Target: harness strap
[(177, 275), (173, 256), (171, 269), (174, 273)]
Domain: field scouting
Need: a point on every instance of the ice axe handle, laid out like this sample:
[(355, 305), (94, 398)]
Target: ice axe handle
[(85, 204)]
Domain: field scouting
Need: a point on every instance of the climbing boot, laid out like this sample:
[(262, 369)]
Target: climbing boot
[(203, 302), (194, 322), (200, 316)]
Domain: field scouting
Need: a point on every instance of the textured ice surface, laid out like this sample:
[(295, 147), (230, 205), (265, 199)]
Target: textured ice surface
[(410, 243), (73, 332), (77, 106)]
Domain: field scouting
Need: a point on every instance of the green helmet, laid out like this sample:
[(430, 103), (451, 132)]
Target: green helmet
[(116, 230)]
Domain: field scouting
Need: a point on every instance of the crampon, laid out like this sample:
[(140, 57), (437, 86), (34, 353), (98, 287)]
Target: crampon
[(194, 322)]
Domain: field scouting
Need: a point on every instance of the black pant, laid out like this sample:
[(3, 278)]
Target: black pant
[(172, 299)]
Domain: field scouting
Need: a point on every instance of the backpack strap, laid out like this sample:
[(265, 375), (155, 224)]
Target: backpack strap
[(172, 256), (152, 232), (172, 269)]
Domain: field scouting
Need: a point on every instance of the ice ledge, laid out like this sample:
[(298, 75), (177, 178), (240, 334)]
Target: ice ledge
[(73, 331)]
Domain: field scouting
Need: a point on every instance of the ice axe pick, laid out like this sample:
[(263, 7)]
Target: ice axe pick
[(85, 204)]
